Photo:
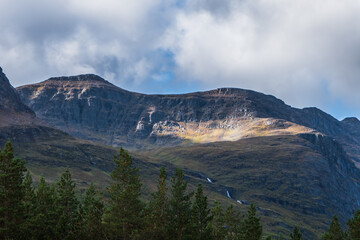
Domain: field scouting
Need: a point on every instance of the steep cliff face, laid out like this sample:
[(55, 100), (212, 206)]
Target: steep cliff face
[(9, 98), (89, 107), (12, 110)]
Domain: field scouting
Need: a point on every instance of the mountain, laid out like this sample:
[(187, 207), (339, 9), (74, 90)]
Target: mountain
[(295, 180), (12, 110), (296, 165), (89, 107)]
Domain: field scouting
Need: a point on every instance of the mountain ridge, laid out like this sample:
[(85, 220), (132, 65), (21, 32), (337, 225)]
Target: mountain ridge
[(96, 110), (253, 147)]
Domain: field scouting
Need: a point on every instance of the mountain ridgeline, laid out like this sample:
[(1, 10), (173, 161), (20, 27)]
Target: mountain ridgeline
[(91, 108), (299, 166)]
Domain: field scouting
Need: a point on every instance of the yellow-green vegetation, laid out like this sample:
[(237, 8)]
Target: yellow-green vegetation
[(229, 129)]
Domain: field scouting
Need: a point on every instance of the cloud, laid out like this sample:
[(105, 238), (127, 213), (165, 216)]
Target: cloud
[(304, 52), (113, 38)]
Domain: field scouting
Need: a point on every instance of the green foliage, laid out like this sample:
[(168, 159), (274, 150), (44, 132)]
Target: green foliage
[(11, 194), (218, 221), (234, 223), (178, 223), (334, 232), (296, 234), (354, 226), (54, 212), (281, 237), (45, 214), (253, 228), (157, 210), (123, 217), (29, 205), (201, 216), (93, 209), (67, 207)]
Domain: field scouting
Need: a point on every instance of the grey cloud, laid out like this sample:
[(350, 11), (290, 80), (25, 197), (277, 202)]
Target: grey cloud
[(305, 52)]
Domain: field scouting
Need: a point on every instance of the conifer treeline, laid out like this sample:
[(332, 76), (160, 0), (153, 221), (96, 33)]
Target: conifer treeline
[(53, 211)]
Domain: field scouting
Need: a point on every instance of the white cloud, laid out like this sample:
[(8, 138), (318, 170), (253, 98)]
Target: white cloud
[(305, 52), (296, 50)]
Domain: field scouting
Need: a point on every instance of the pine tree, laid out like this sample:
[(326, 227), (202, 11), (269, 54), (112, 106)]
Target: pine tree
[(157, 210), (93, 209), (29, 206), (67, 206), (334, 232), (280, 237), (45, 214), (296, 234), (201, 216), (218, 222), (252, 226), (11, 194), (124, 218), (354, 226), (180, 208), (234, 224)]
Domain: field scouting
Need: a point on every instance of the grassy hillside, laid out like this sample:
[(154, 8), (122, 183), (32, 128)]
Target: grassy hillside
[(287, 177)]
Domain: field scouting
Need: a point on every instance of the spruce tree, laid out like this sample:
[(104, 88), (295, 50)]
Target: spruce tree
[(180, 208), (296, 234), (201, 216), (218, 221), (123, 217), (334, 232), (157, 210), (280, 237), (45, 211), (354, 226), (11, 194), (29, 206), (67, 206), (252, 226), (93, 209), (234, 223)]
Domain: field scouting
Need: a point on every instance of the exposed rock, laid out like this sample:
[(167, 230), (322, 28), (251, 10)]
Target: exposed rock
[(91, 108), (12, 110)]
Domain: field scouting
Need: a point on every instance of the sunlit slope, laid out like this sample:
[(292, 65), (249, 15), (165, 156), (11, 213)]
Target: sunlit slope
[(229, 129)]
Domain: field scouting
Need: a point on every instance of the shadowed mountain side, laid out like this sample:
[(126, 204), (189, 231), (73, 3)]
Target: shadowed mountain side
[(296, 180), (48, 152), (12, 110), (88, 107)]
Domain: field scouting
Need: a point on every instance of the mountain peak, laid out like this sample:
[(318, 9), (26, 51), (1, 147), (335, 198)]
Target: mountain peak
[(79, 78), (10, 103), (351, 120)]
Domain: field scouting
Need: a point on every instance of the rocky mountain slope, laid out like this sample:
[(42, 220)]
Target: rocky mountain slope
[(297, 165), (12, 110), (91, 108)]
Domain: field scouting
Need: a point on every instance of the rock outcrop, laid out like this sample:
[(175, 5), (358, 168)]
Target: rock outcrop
[(89, 107), (12, 110)]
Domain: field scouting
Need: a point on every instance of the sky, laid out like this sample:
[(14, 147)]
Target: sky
[(305, 52)]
